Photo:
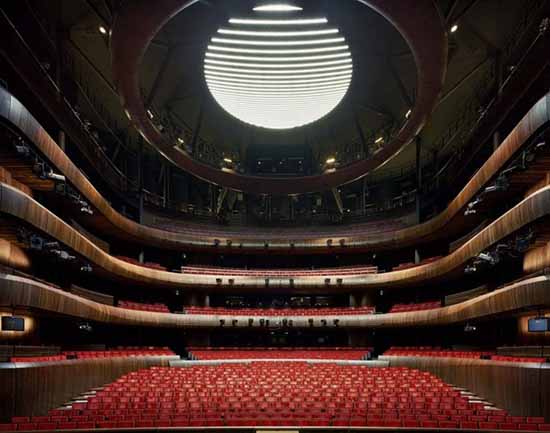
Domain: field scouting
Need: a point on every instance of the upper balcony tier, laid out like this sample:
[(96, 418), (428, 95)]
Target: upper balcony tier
[(450, 224)]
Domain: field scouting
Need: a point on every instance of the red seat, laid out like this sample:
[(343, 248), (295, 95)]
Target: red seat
[(527, 426), (508, 426), (67, 425), (544, 427), (8, 427), (488, 425)]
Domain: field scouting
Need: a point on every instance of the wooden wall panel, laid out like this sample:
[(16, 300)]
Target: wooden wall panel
[(520, 388), (536, 259), (110, 221), (33, 389), (16, 204), (23, 292), (13, 256)]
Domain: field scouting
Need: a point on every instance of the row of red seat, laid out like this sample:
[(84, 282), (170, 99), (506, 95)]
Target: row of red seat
[(283, 353), (156, 308), (278, 394), (294, 234), (401, 308), (279, 273), (150, 265), (51, 358), (120, 352), (436, 353), (279, 311), (518, 358)]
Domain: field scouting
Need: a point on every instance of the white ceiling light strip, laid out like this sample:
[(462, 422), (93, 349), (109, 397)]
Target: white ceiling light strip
[(287, 34), (277, 7), (213, 79), (278, 52), (277, 72), (278, 43), (284, 22), (271, 94), (278, 59), (279, 86), (278, 66), (293, 77), (276, 92)]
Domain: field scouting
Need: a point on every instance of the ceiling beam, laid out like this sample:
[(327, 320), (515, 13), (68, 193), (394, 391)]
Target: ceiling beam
[(450, 12), (159, 78), (469, 75), (465, 10), (104, 79), (98, 13), (402, 90), (371, 108)]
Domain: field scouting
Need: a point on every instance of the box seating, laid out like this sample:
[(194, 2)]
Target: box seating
[(149, 265), (281, 233), (519, 358), (121, 352), (277, 394), (434, 352), (410, 265), (156, 308), (401, 308), (337, 353), (343, 311), (280, 273), (51, 358)]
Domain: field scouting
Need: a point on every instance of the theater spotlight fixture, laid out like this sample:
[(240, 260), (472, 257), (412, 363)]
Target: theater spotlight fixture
[(278, 69)]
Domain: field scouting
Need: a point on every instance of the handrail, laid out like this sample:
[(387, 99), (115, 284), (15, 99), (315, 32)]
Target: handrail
[(23, 292)]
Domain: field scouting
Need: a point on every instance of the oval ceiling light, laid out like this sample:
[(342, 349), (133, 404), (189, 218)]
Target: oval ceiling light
[(301, 76)]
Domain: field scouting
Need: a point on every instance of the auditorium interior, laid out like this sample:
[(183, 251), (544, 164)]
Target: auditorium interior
[(275, 215)]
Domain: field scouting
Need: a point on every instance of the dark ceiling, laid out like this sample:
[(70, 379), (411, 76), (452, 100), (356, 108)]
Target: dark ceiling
[(383, 82)]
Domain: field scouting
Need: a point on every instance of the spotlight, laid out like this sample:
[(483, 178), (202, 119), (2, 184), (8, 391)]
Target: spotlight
[(86, 268), (102, 30), (489, 258), (337, 322), (379, 140), (471, 269), (454, 28), (408, 114), (55, 176), (331, 161)]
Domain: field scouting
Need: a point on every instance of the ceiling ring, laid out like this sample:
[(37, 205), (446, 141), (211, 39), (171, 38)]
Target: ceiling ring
[(418, 21)]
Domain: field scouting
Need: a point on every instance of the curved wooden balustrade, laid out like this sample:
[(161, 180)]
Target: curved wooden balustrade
[(16, 204), (24, 292), (520, 388), (109, 221)]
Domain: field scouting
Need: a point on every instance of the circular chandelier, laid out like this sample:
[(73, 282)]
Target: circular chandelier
[(278, 69)]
